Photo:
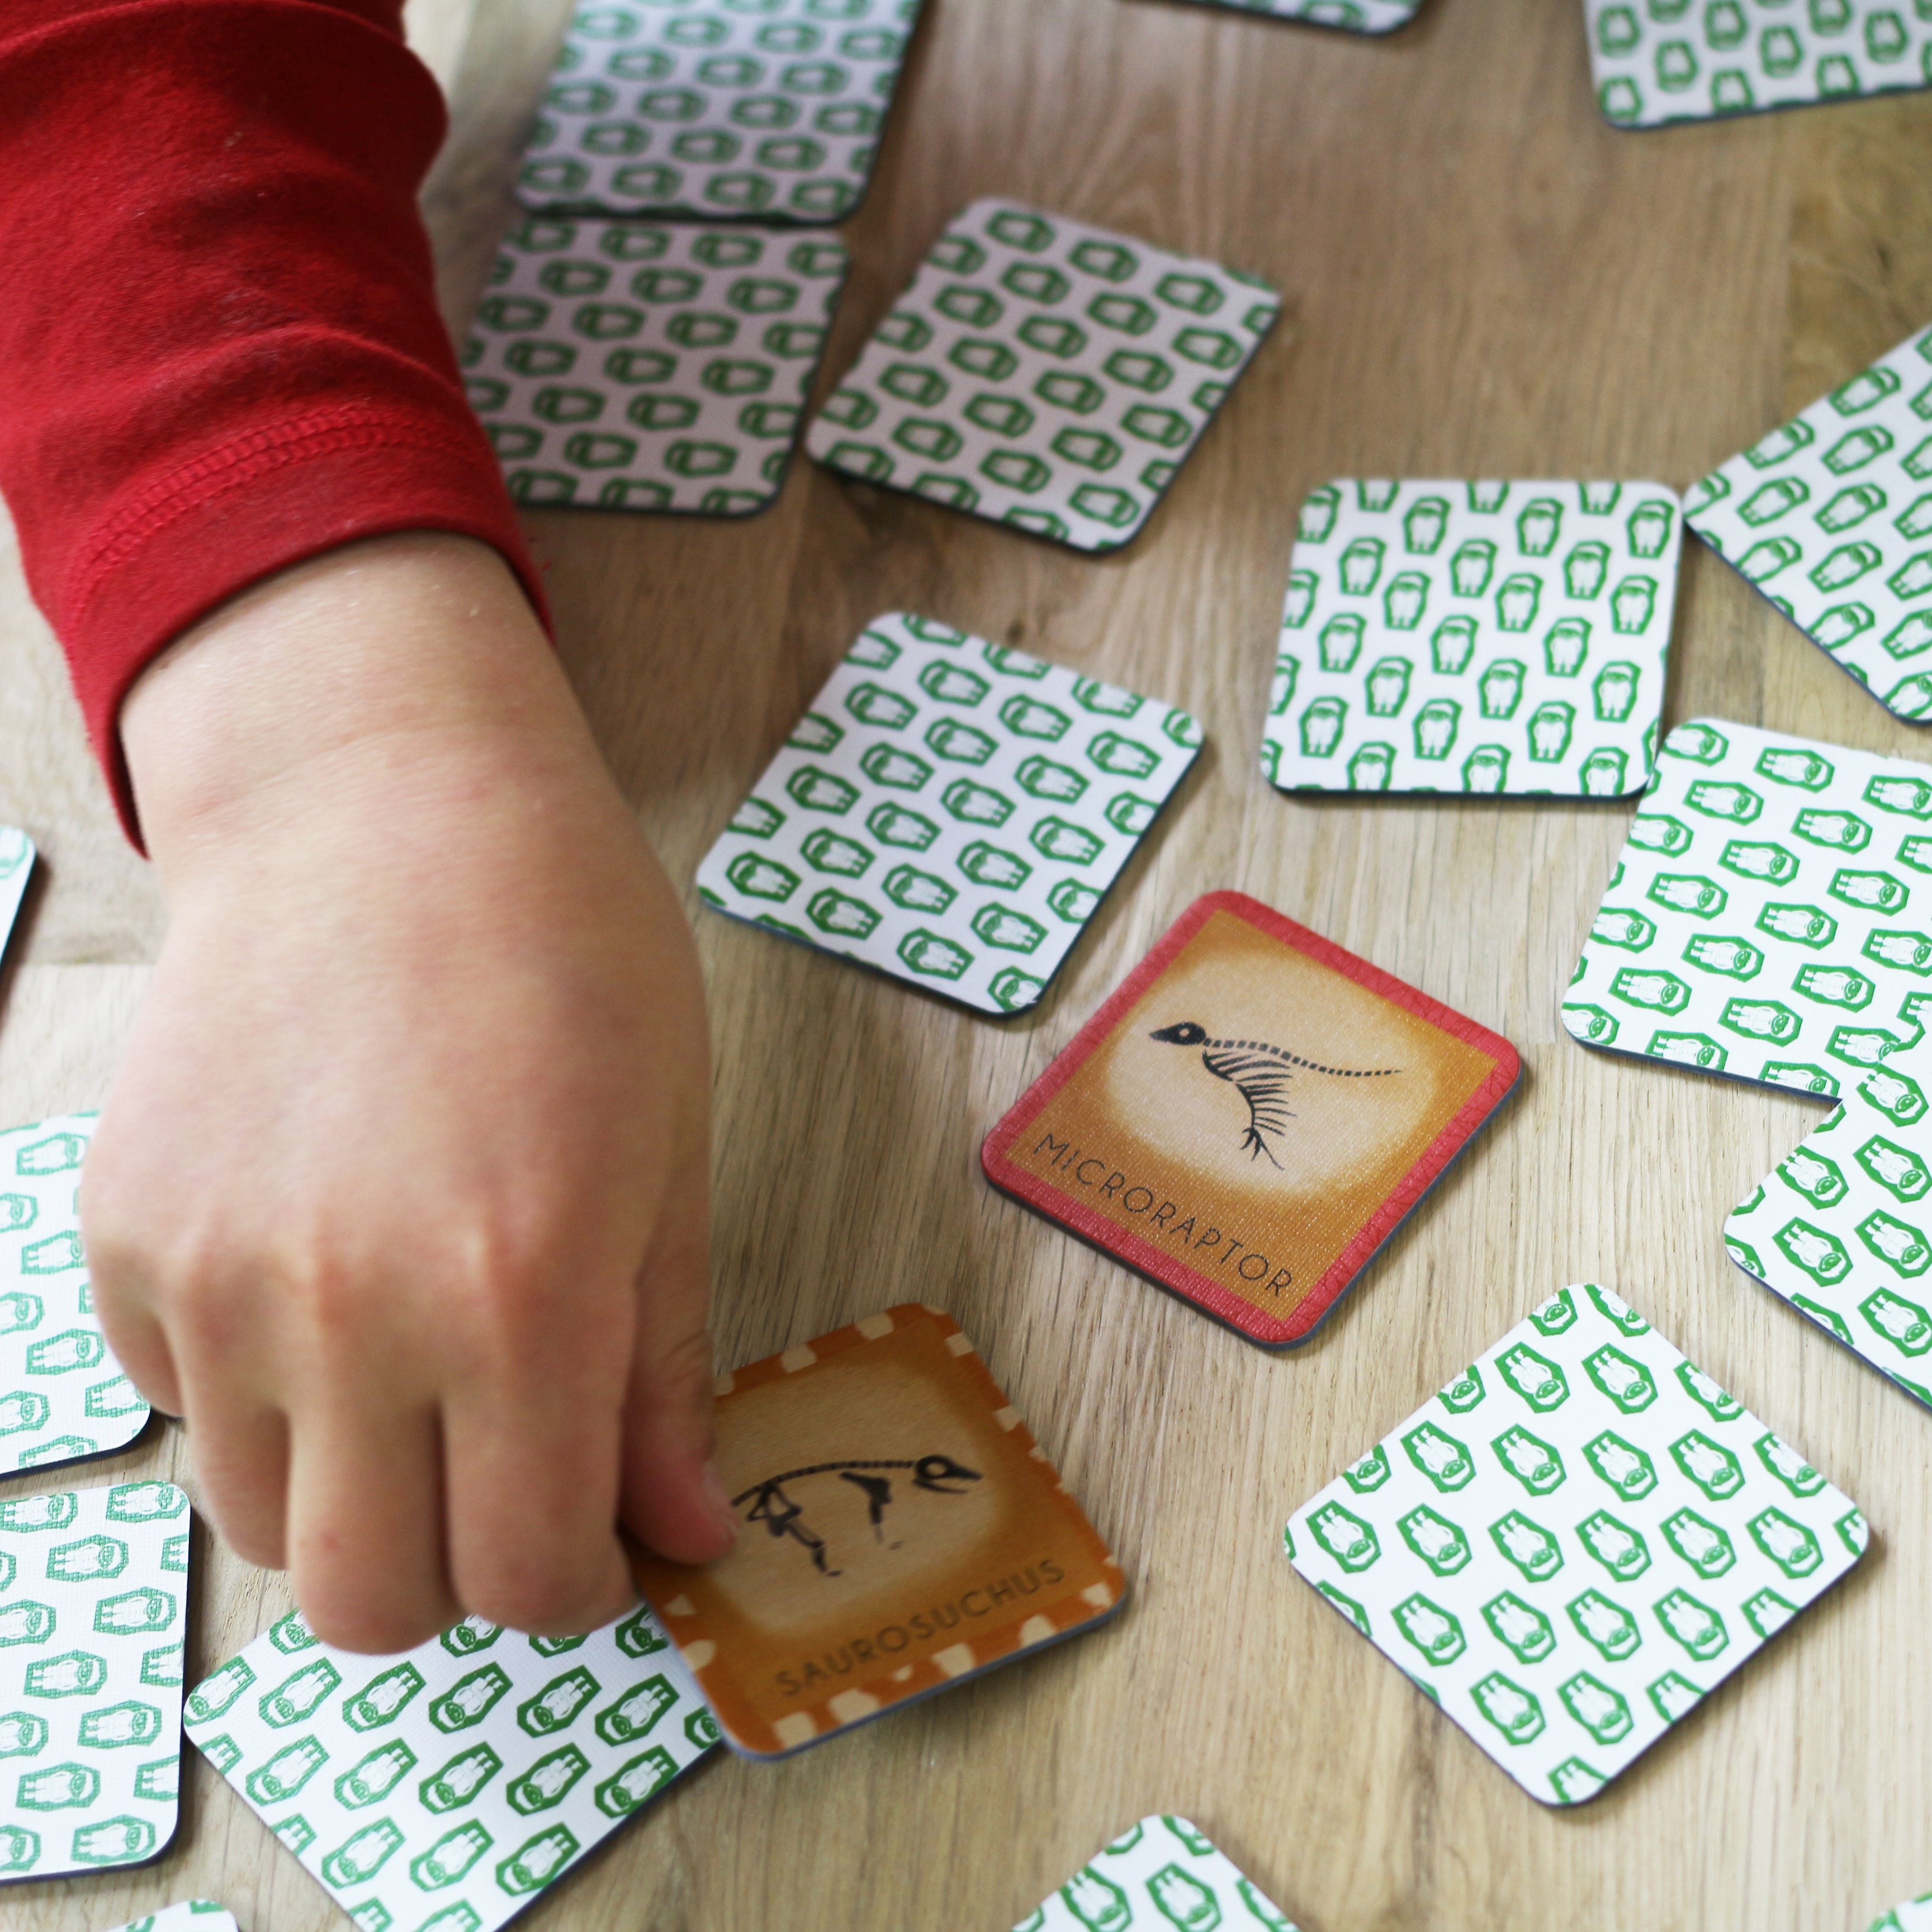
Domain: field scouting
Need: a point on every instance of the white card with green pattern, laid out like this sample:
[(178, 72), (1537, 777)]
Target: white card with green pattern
[(1474, 636), (949, 812), (62, 1394), (16, 867), (441, 1790), (1358, 17), (1164, 1873), (1767, 917), (192, 1914), (1914, 1915), (1659, 60), (1830, 517), (770, 111), (1833, 1229), (617, 366), (1574, 1542), (93, 1617), (1044, 374)]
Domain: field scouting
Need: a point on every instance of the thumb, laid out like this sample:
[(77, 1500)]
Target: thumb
[(672, 1502)]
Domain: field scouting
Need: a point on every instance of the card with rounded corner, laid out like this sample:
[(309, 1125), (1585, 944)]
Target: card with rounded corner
[(1249, 1117), (902, 1531)]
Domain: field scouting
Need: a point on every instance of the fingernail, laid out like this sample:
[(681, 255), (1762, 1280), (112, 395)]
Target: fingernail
[(719, 1497)]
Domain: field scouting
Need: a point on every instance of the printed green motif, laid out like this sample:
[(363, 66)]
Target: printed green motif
[(1836, 1227), (62, 1394), (1358, 16), (1044, 374), (949, 812), (93, 1616), (770, 112), (433, 1790), (1500, 638), (1624, 1548), (1659, 61), (192, 1914), (622, 367), (16, 866), (1830, 517), (1914, 1915), (1767, 956), (1162, 1876)]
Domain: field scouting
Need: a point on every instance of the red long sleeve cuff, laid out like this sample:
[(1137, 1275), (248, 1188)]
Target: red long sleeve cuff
[(220, 349)]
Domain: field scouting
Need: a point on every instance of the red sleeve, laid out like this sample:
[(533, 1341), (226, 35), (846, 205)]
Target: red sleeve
[(219, 350)]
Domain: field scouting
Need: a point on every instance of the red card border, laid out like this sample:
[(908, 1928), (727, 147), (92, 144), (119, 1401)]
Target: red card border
[(1162, 1268)]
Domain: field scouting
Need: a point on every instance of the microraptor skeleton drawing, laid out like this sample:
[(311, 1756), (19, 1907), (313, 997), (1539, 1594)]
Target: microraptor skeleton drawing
[(783, 1515), (1262, 1076)]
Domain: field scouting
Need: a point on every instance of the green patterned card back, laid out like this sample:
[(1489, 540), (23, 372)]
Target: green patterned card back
[(62, 1394), (443, 1790), (1574, 1542), (1356, 16), (949, 812), (16, 867), (93, 1618), (1045, 374), (192, 1914), (617, 366), (1501, 637), (1835, 1228), (765, 109), (1914, 1915), (1163, 1876), (1830, 517), (1655, 61), (1768, 917)]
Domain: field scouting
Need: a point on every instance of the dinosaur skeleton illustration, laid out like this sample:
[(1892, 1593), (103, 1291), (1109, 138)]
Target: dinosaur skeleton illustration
[(1262, 1076), (783, 1515)]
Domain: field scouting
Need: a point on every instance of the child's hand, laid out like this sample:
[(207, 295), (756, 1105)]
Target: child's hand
[(400, 1195)]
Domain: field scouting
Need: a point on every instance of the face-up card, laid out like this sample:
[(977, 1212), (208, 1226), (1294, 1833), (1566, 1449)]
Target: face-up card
[(1768, 917), (1835, 1229), (1914, 1915), (1044, 374), (192, 1914), (1476, 637), (62, 1394), (622, 367), (902, 1532), (1830, 517), (1163, 1874), (949, 812), (445, 1788), (1249, 1116), (1575, 1541), (93, 1616), (1668, 61), (771, 112), (1358, 16)]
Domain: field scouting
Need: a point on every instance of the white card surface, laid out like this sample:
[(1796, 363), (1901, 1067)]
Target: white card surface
[(1475, 636), (191, 1914), (1838, 1227), (443, 1790), (62, 1394), (93, 1617), (1044, 374), (1163, 1874), (618, 367), (1576, 1541), (949, 812), (1914, 1915), (16, 867), (1358, 17), (1659, 60), (1830, 517), (1771, 917), (772, 112)]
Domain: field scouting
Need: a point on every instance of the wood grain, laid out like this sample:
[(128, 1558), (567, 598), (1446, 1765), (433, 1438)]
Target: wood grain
[(1481, 278)]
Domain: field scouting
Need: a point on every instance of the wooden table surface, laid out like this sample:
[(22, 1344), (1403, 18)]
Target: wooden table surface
[(1481, 279)]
